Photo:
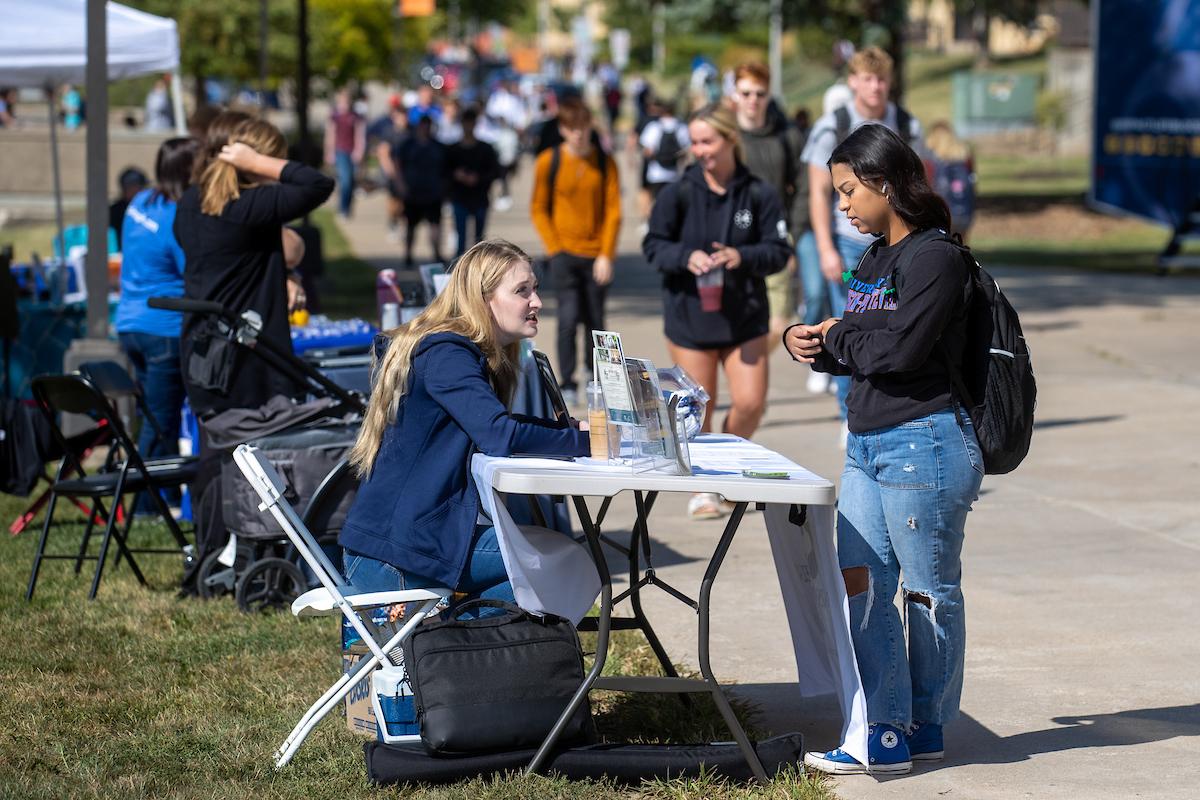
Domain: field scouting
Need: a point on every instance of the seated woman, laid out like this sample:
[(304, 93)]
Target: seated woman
[(441, 394)]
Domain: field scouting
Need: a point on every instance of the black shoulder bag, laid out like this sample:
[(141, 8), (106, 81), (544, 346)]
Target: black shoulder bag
[(495, 683)]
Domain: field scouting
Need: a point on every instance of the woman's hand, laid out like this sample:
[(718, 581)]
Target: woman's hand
[(726, 256), (699, 262), (246, 159), (241, 155), (826, 325), (803, 342)]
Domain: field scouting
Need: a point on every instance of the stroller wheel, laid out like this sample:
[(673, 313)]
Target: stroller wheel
[(214, 579), (269, 584)]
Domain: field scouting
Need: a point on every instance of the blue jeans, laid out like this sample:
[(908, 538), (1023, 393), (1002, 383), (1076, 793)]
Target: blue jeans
[(483, 576), (156, 367), (851, 250), (463, 213), (343, 166), (906, 491), (816, 288)]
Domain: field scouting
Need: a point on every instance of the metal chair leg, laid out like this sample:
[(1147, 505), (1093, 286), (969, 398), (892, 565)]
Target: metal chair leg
[(41, 548)]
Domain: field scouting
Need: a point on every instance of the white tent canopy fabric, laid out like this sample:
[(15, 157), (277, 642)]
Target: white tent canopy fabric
[(43, 43)]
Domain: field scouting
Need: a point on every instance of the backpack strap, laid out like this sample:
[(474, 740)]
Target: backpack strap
[(552, 177), (957, 385), (904, 124), (841, 119), (789, 166)]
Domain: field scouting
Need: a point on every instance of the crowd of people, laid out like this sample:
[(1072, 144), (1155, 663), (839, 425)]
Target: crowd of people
[(751, 218)]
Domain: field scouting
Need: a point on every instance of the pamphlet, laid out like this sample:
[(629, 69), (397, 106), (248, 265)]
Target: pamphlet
[(609, 359)]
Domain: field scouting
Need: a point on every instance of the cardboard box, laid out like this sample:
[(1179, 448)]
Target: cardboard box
[(360, 716)]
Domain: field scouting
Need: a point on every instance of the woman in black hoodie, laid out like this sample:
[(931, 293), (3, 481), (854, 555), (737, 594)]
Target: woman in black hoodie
[(719, 221)]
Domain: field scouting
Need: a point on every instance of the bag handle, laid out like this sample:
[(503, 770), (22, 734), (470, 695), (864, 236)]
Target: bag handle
[(513, 610)]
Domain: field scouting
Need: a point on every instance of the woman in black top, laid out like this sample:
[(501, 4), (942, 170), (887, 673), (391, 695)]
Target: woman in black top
[(718, 220), (229, 228), (913, 464)]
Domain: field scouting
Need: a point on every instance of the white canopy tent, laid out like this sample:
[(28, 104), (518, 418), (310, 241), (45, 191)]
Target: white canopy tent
[(43, 43)]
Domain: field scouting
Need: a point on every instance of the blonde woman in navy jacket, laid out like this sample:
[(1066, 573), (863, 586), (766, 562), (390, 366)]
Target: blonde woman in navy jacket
[(441, 394)]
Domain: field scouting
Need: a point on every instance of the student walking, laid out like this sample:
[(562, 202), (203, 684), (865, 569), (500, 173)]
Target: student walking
[(576, 209), (773, 149), (839, 243), (472, 166), (913, 462), (715, 235), (345, 145), (422, 164)]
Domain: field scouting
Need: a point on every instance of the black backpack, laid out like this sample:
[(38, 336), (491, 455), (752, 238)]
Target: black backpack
[(996, 383), (668, 153)]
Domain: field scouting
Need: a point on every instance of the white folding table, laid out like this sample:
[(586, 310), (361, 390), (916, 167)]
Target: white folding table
[(799, 516)]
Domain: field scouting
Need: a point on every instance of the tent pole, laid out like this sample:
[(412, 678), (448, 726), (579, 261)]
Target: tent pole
[(177, 103), (96, 265), (58, 204)]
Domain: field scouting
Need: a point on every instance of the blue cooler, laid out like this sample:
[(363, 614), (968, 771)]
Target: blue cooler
[(395, 707)]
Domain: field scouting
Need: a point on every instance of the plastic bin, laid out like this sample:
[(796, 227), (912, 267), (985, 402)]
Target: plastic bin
[(395, 708)]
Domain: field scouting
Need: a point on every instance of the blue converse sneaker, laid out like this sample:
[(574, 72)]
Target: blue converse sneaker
[(886, 750), (925, 742)]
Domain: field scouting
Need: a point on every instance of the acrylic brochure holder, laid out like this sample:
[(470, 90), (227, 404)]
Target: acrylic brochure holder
[(651, 438)]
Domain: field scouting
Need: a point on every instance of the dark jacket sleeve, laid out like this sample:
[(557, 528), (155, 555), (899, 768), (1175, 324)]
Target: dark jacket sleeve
[(661, 245), (300, 189), (928, 291), (771, 252), (454, 379)]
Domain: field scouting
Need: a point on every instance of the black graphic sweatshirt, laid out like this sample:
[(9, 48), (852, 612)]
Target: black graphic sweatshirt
[(887, 339)]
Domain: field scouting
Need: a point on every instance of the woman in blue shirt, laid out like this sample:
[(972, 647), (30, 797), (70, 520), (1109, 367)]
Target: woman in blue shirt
[(441, 394), (152, 266)]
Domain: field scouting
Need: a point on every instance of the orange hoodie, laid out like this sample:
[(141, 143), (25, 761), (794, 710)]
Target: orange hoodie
[(577, 227)]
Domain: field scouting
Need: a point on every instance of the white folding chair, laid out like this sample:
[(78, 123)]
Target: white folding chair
[(334, 596)]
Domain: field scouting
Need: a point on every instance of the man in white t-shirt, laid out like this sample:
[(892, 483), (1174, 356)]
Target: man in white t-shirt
[(664, 142), (839, 244)]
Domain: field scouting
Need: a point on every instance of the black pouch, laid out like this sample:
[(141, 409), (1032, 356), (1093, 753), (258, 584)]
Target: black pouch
[(495, 683), (212, 357)]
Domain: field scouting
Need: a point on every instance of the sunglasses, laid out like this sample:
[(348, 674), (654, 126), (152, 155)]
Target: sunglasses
[(751, 93)]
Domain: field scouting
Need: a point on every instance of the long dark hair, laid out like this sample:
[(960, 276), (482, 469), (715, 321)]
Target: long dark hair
[(877, 155), (173, 167)]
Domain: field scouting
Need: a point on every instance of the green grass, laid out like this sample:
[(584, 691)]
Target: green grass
[(143, 694)]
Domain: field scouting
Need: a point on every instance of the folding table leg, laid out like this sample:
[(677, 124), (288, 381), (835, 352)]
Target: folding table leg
[(602, 631), (718, 695), (641, 530)]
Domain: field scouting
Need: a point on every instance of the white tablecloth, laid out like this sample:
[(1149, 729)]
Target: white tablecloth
[(552, 573)]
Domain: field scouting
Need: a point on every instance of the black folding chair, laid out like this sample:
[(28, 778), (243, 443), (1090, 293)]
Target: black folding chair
[(124, 473)]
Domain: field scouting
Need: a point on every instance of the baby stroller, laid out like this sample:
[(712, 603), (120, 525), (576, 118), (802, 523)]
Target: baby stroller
[(306, 442)]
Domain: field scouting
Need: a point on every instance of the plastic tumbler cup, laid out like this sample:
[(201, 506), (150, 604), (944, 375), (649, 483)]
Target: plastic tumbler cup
[(710, 285), (597, 420)]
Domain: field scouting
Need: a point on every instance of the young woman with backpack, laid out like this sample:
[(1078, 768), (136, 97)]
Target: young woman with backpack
[(913, 462), (715, 235)]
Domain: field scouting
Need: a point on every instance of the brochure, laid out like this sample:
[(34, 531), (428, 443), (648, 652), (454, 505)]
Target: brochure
[(609, 360)]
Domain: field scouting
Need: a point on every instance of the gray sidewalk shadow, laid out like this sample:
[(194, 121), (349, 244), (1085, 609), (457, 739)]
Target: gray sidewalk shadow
[(1072, 421), (971, 742), (968, 740), (661, 555)]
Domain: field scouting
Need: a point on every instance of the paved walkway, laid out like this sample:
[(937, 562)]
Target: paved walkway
[(1080, 568)]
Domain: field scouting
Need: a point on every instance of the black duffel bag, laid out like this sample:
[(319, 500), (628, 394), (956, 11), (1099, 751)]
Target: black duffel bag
[(495, 683)]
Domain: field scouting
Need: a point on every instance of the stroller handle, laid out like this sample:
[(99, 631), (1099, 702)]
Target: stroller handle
[(186, 304)]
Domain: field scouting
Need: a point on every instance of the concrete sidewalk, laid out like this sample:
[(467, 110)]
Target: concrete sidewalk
[(1079, 569)]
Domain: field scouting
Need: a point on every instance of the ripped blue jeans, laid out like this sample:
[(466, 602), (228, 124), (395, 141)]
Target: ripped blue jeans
[(905, 494)]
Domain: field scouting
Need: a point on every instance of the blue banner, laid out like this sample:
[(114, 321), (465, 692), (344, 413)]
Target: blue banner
[(1146, 153)]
